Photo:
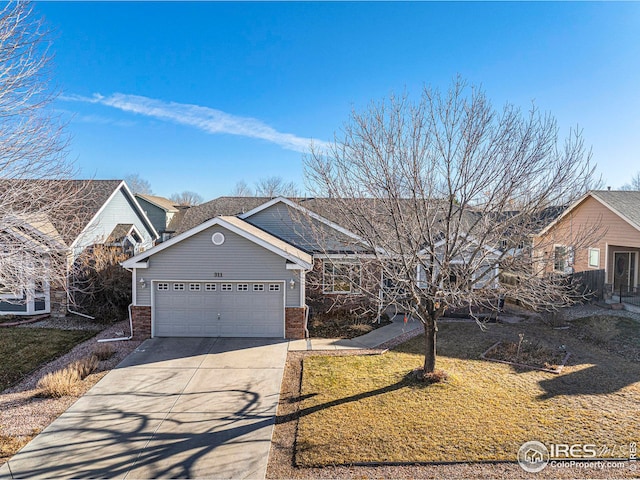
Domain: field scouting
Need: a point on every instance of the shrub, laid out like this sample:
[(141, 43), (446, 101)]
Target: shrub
[(60, 383), (601, 331), (553, 318), (67, 381), (85, 366), (103, 351), (101, 285)]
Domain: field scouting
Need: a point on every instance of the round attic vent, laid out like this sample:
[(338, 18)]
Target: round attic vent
[(217, 238)]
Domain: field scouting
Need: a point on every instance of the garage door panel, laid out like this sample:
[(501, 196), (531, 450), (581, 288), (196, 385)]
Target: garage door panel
[(235, 309)]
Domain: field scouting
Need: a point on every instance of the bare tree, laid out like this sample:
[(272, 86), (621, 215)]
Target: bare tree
[(242, 190), (634, 184), (186, 198), (101, 286), (444, 195), (32, 152), (137, 184), (275, 187)]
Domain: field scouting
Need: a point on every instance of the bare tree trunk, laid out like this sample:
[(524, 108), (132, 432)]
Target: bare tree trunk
[(430, 331)]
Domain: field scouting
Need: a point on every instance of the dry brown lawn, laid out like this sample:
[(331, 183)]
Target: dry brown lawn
[(354, 411)]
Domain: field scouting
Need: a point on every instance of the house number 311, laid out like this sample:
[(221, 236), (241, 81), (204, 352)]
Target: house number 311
[(217, 274)]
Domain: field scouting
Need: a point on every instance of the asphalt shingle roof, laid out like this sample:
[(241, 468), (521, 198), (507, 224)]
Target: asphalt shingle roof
[(625, 202), (161, 202), (89, 197)]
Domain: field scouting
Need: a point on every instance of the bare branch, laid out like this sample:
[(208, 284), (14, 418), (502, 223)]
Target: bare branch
[(445, 195), (32, 153)]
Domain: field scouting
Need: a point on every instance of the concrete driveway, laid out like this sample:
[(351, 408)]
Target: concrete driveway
[(175, 408)]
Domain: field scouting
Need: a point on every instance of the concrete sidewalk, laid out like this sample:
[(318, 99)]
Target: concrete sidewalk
[(369, 340)]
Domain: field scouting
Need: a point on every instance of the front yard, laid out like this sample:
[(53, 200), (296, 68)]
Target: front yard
[(22, 350), (362, 409), (28, 354)]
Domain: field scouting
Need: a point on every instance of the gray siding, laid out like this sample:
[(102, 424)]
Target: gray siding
[(197, 258), (156, 215), (119, 210), (297, 229)]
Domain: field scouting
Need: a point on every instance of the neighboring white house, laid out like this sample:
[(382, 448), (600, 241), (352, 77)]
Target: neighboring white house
[(108, 214)]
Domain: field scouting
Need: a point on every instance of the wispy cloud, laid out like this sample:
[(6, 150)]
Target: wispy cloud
[(206, 119)]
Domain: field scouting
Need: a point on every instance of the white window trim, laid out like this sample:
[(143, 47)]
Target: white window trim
[(568, 260), (590, 265), (178, 287), (353, 289)]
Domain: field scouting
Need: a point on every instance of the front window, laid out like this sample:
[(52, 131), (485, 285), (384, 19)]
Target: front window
[(342, 277), (562, 259), (594, 257)]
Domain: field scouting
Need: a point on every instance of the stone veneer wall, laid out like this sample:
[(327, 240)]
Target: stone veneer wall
[(141, 319), (294, 322), (58, 302)]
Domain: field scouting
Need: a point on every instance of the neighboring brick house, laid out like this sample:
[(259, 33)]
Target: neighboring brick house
[(106, 213), (600, 231)]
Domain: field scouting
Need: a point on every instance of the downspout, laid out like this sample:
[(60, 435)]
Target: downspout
[(122, 338), (306, 320), (303, 287), (81, 314)]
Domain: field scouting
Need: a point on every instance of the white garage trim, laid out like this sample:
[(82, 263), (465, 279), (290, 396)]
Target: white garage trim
[(153, 285)]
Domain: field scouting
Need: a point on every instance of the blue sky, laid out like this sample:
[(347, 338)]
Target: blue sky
[(197, 96)]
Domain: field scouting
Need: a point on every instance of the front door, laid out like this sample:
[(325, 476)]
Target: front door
[(624, 270)]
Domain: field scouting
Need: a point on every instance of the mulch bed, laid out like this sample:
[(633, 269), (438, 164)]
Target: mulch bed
[(345, 330), (506, 352)]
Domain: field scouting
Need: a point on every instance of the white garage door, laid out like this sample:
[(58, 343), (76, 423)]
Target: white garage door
[(218, 309)]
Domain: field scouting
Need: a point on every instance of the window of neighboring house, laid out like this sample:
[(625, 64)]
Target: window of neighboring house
[(274, 287), (210, 287), (194, 287), (562, 259), (163, 286), (422, 277), (258, 287), (226, 287), (459, 276), (504, 245), (243, 287), (178, 287), (559, 258), (342, 277), (594, 258)]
